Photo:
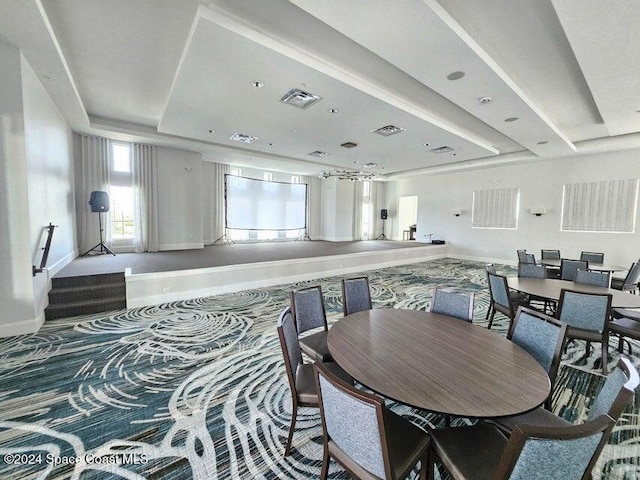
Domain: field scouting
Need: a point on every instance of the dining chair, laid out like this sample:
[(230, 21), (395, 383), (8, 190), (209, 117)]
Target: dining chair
[(542, 337), (490, 268), (552, 272), (307, 307), (482, 451), (356, 295), (458, 305), (630, 282), (626, 325), (587, 316), (531, 270), (594, 257), (525, 257), (613, 397), (569, 267), (593, 277), (299, 374), (361, 434), (550, 254), (501, 299)]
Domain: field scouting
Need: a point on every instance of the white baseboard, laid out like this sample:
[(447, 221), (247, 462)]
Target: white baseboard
[(337, 239), (473, 258), (63, 262), (23, 327)]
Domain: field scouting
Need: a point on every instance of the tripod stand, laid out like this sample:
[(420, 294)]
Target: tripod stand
[(103, 247), (382, 236)]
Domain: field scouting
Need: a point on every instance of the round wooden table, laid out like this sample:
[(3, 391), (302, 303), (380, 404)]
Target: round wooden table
[(600, 267), (550, 288), (438, 363)]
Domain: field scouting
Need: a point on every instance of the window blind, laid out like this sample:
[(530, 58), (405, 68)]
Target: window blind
[(607, 206), (496, 208)]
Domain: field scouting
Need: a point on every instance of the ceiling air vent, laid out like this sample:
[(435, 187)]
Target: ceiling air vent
[(299, 98), (441, 150), (318, 153), (241, 137), (349, 144), (388, 130)]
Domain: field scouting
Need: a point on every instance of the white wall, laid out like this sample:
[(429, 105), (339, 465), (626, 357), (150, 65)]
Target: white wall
[(36, 178), (540, 185), (179, 199)]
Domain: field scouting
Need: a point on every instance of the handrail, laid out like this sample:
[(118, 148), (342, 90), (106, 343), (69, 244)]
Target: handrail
[(45, 255)]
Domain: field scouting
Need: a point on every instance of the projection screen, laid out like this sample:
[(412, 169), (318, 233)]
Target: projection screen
[(260, 205)]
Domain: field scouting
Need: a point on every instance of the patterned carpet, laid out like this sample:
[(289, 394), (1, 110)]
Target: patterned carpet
[(197, 389)]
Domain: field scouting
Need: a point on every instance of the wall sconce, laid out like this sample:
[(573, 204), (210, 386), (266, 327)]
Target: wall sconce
[(537, 211), (457, 212)]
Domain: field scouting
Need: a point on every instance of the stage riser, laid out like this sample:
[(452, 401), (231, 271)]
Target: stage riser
[(156, 288)]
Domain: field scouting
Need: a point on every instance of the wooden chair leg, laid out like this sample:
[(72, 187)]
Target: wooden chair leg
[(424, 465), (493, 313), (431, 463), (294, 416), (325, 464)]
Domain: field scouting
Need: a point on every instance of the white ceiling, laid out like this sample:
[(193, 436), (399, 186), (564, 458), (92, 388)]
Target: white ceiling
[(168, 71)]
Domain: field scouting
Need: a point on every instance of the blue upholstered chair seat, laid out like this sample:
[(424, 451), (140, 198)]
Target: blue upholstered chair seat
[(405, 441), (539, 417), (456, 445), (315, 346)]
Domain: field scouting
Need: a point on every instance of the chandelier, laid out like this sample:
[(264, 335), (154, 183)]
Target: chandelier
[(351, 175)]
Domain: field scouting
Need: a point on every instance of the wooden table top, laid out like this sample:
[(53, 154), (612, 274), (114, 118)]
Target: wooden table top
[(438, 363), (601, 267), (550, 288)]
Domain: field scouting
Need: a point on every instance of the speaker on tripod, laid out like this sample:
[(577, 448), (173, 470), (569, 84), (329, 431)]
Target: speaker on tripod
[(99, 202), (384, 213)]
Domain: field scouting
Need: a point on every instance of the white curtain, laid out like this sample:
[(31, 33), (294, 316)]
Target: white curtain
[(357, 210), (93, 172), (145, 188), (214, 198), (378, 202), (310, 192)]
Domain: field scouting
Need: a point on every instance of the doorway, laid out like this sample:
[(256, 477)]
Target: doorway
[(408, 216)]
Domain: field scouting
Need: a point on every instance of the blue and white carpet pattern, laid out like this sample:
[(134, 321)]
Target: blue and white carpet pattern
[(197, 389)]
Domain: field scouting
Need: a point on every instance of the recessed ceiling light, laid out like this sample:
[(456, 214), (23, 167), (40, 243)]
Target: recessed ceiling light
[(270, 144), (212, 131), (318, 153), (369, 165), (485, 100), (455, 75), (511, 119), (257, 84), (294, 130), (333, 110), (544, 142), (426, 145), (441, 150)]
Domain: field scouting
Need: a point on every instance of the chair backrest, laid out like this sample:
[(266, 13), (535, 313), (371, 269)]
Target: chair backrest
[(307, 307), (554, 453), (633, 277), (617, 391), (587, 311), (569, 267), (355, 295), (456, 305), (524, 257), (499, 289), (353, 420), (290, 346), (490, 268), (593, 277), (532, 270), (541, 336), (594, 257), (550, 254)]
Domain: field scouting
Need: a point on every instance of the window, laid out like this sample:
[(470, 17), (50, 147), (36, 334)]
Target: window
[(366, 211), (607, 206), (121, 193), (497, 208)]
